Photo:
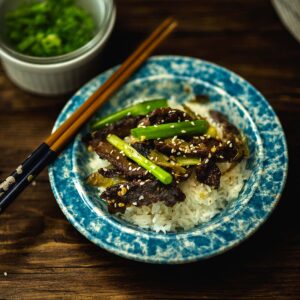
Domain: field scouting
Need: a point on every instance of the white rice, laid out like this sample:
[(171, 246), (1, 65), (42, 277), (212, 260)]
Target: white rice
[(201, 204)]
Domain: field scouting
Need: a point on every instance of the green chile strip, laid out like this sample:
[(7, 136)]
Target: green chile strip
[(159, 173), (139, 109), (171, 129)]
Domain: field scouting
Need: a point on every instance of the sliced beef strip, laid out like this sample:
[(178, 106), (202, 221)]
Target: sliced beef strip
[(110, 172), (228, 128), (144, 147), (139, 193), (180, 177), (231, 134), (164, 115), (121, 128), (122, 166), (202, 146), (209, 174), (130, 169)]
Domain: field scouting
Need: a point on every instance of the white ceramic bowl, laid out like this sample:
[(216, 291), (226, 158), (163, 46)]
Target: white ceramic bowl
[(60, 74)]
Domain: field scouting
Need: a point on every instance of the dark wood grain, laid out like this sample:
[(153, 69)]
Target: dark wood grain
[(45, 257)]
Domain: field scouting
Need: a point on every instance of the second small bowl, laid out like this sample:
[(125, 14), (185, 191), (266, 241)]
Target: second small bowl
[(59, 74)]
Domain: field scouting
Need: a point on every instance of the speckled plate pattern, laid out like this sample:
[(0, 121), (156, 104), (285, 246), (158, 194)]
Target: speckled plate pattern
[(178, 78)]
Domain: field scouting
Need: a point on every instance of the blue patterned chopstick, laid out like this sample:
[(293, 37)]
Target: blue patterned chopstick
[(24, 174)]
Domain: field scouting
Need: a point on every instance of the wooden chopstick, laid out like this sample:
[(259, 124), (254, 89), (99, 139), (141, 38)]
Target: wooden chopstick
[(69, 133), (20, 178), (127, 63)]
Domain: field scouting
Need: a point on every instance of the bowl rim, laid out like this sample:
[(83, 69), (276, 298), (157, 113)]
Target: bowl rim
[(194, 257)]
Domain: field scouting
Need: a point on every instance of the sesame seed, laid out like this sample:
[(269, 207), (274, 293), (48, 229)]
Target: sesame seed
[(10, 180), (118, 157), (183, 131), (193, 123), (141, 197), (172, 126), (19, 169)]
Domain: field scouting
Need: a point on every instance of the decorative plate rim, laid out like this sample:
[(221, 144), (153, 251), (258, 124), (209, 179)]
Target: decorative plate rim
[(92, 234)]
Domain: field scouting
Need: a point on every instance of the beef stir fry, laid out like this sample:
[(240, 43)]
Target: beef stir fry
[(152, 148)]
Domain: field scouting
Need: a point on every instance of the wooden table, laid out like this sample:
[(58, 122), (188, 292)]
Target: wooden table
[(43, 256)]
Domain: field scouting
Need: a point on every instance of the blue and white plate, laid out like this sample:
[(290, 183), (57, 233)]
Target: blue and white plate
[(169, 76)]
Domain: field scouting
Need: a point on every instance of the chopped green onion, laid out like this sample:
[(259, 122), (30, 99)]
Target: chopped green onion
[(159, 173), (139, 109), (170, 129), (188, 161), (49, 27), (164, 161)]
